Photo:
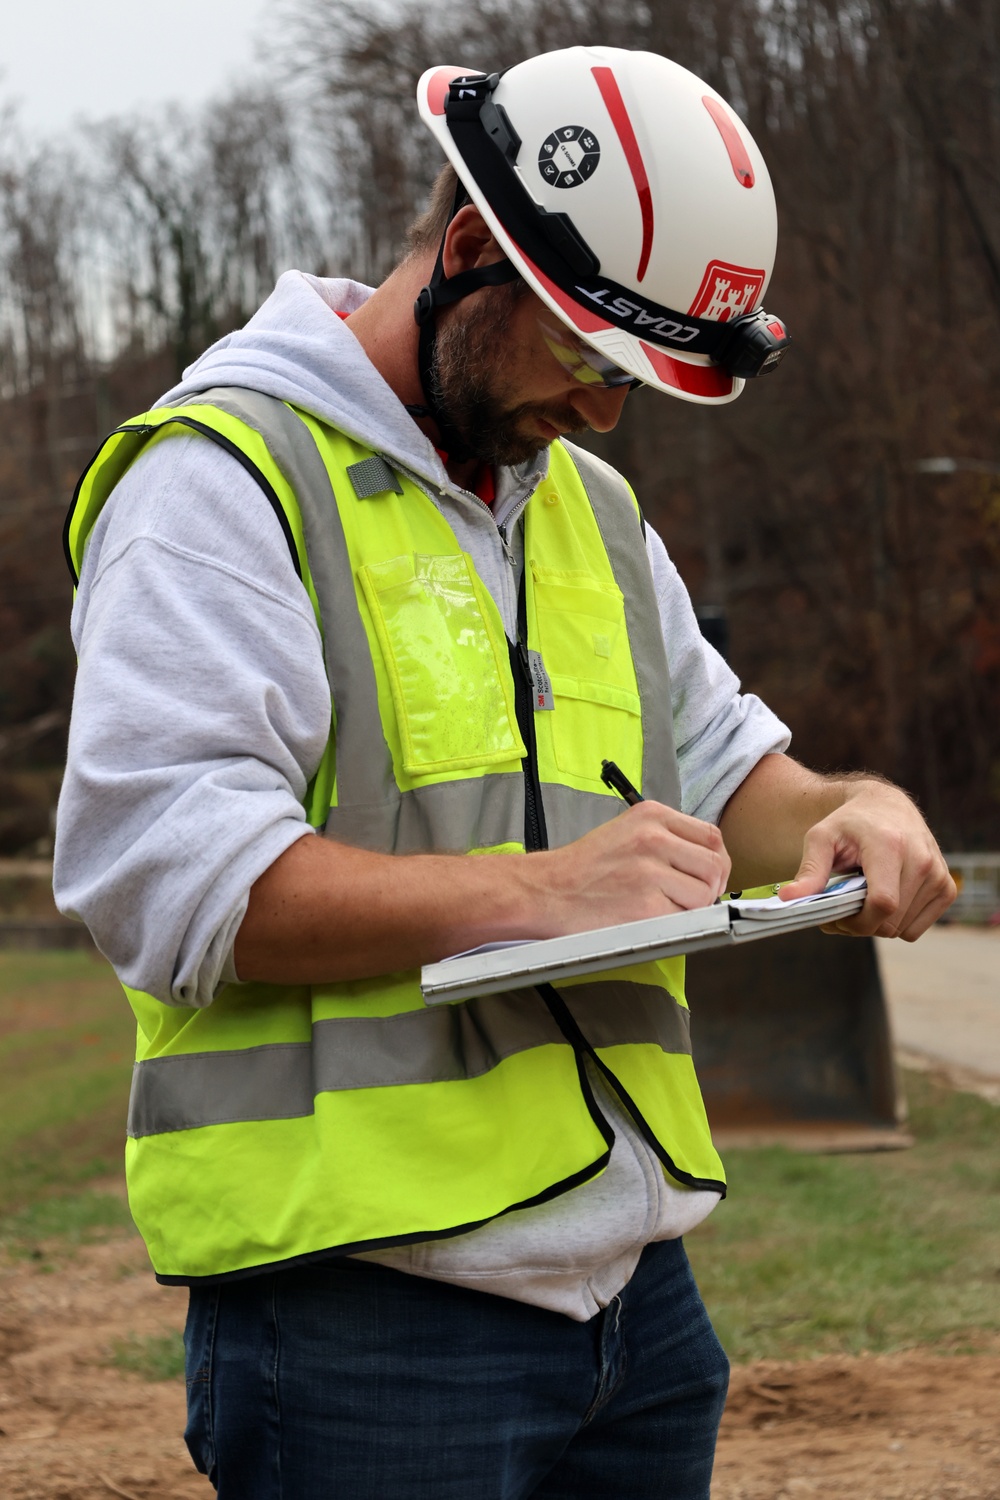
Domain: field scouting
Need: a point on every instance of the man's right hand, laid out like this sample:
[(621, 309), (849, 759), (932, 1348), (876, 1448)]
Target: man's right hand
[(647, 862)]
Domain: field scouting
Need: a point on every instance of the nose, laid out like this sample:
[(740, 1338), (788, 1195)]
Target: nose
[(600, 406)]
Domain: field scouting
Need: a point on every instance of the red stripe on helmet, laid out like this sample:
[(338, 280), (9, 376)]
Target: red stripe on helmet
[(738, 154), (438, 86), (615, 104), (694, 380), (577, 312)]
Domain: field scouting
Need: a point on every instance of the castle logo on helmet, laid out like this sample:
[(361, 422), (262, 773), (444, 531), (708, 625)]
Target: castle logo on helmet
[(726, 292)]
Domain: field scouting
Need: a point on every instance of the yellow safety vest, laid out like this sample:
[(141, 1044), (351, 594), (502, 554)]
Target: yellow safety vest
[(284, 1122)]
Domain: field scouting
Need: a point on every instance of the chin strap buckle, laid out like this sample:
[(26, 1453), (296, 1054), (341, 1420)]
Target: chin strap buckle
[(423, 308)]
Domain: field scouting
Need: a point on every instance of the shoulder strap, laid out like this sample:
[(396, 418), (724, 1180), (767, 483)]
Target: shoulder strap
[(595, 473), (116, 455)]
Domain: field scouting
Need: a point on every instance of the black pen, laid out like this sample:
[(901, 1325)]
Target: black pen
[(619, 782)]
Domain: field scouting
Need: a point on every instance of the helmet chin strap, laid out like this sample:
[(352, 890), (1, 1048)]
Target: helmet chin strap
[(439, 292)]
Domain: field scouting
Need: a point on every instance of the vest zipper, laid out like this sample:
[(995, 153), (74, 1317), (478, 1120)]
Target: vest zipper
[(535, 834)]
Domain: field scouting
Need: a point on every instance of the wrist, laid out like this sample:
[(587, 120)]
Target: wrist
[(857, 785), (494, 897)]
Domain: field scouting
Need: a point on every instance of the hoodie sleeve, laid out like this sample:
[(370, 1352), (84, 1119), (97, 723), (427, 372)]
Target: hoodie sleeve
[(720, 733), (200, 713)]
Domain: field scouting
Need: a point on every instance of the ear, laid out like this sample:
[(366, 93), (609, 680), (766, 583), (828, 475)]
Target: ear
[(469, 242)]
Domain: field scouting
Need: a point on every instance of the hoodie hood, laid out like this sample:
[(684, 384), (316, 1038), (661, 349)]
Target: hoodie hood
[(297, 349)]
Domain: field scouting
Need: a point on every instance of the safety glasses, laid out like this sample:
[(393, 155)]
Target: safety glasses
[(582, 361)]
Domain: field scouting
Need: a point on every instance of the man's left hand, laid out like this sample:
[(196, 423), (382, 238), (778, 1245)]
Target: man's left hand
[(879, 830)]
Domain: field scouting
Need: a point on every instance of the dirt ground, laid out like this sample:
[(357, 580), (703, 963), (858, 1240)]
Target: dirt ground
[(912, 1426)]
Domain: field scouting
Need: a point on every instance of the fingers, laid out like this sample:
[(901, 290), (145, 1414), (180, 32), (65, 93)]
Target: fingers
[(888, 865), (694, 830), (691, 860), (671, 890), (935, 893), (910, 890), (648, 861), (819, 850), (909, 887)]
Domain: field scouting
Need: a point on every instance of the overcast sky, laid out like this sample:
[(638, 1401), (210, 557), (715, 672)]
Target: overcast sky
[(61, 59)]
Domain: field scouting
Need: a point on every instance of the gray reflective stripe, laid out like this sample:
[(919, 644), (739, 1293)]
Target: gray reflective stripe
[(452, 816), (621, 534), (446, 817), (440, 1045), (219, 1088), (570, 813), (611, 1012), (365, 779)]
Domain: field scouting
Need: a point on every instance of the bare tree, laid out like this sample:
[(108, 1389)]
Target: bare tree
[(204, 211)]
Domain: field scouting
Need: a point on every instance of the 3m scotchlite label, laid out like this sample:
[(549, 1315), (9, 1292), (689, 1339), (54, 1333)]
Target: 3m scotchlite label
[(279, 1081), (540, 684)]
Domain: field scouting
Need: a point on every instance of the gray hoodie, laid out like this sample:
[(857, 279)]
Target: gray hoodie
[(202, 709)]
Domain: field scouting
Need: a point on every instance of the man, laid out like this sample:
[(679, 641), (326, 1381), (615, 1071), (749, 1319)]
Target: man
[(436, 1252)]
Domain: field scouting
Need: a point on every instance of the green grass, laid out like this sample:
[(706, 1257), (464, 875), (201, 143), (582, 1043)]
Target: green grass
[(817, 1254), (66, 1047), (73, 1218), (158, 1356)]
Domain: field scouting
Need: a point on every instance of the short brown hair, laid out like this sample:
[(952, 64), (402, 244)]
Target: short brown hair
[(427, 231)]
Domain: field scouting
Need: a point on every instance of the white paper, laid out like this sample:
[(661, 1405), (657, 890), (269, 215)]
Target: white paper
[(840, 886), (488, 948)]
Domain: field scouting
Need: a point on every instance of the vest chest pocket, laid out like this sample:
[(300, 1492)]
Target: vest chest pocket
[(446, 663), (584, 644)]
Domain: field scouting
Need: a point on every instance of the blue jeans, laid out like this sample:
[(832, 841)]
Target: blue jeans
[(351, 1381)]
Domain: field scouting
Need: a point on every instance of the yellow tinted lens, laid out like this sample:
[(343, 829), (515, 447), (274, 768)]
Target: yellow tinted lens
[(580, 360)]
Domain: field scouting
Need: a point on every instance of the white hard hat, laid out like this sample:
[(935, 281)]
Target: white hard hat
[(632, 199)]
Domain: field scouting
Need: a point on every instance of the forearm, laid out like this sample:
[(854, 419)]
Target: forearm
[(324, 912), (768, 816)]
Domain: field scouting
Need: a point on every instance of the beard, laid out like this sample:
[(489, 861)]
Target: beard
[(475, 388)]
